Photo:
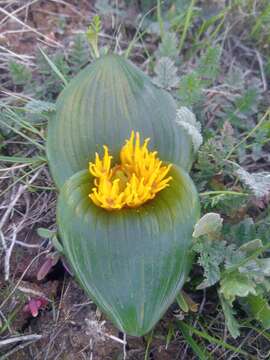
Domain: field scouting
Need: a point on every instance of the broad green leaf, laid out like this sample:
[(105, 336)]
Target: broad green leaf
[(185, 302), (259, 308), (57, 244), (210, 224), (265, 266), (251, 246), (45, 233), (131, 262), (101, 105), (236, 284), (233, 256), (243, 232), (181, 301)]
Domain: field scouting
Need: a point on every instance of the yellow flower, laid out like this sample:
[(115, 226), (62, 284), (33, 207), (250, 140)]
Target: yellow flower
[(137, 179)]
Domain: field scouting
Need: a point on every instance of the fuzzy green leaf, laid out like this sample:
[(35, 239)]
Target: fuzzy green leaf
[(230, 320), (166, 73), (187, 120), (168, 46), (190, 89), (39, 107), (20, 73), (211, 255)]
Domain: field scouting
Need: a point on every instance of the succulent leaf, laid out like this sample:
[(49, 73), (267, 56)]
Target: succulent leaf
[(132, 262), (101, 105)]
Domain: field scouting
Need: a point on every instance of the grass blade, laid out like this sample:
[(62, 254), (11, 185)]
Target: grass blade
[(214, 340), (197, 349), (54, 68), (186, 25)]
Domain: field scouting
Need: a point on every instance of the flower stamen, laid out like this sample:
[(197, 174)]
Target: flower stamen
[(137, 179)]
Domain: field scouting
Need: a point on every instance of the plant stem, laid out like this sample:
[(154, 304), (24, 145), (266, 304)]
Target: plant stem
[(160, 21), (248, 135), (225, 192), (186, 25), (149, 341)]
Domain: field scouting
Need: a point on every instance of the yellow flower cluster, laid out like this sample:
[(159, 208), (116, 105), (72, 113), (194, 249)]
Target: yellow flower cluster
[(137, 179)]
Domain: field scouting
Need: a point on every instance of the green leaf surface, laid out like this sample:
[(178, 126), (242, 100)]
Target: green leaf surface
[(54, 67), (168, 46), (45, 233), (211, 255), (236, 284), (259, 307), (101, 106), (210, 224), (181, 301), (214, 340), (201, 353), (230, 320), (39, 107), (132, 262), (187, 119), (166, 73)]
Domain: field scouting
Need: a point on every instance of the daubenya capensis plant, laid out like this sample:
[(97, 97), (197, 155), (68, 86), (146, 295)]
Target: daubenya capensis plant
[(127, 206)]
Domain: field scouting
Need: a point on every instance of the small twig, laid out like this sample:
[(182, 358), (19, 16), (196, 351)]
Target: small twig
[(115, 338), (17, 11), (22, 276), (12, 168), (24, 288), (15, 349), (6, 322), (247, 338), (83, 304), (91, 344), (8, 255), (260, 61), (20, 191), (124, 346), (20, 338), (8, 250), (137, 33), (3, 241), (23, 58), (30, 246), (11, 16)]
